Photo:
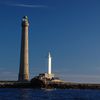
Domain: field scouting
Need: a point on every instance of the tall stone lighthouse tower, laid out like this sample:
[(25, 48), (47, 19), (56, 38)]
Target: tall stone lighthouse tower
[(24, 65)]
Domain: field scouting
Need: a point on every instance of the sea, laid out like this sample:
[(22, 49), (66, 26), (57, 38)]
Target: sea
[(48, 94)]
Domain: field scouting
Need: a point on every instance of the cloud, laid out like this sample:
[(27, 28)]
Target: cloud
[(27, 5)]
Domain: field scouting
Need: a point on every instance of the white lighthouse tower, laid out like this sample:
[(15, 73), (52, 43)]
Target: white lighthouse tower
[(49, 74), (49, 64)]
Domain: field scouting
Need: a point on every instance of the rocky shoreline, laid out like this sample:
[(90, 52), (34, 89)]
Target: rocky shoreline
[(48, 85)]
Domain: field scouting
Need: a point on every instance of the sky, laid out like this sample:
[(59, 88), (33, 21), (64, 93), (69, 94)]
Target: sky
[(69, 29)]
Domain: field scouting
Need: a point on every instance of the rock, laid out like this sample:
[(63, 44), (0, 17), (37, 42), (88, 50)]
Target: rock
[(38, 83)]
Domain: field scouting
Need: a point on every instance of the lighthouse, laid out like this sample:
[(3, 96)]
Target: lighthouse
[(49, 73), (24, 65), (49, 63)]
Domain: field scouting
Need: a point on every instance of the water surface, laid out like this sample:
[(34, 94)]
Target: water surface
[(48, 94)]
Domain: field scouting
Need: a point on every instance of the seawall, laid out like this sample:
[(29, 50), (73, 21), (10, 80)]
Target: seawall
[(69, 85), (14, 84), (61, 85)]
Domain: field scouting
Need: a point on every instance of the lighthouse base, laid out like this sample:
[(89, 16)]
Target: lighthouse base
[(46, 75)]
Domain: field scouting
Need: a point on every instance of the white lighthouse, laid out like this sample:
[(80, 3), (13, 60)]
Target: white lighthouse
[(48, 74), (49, 64)]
